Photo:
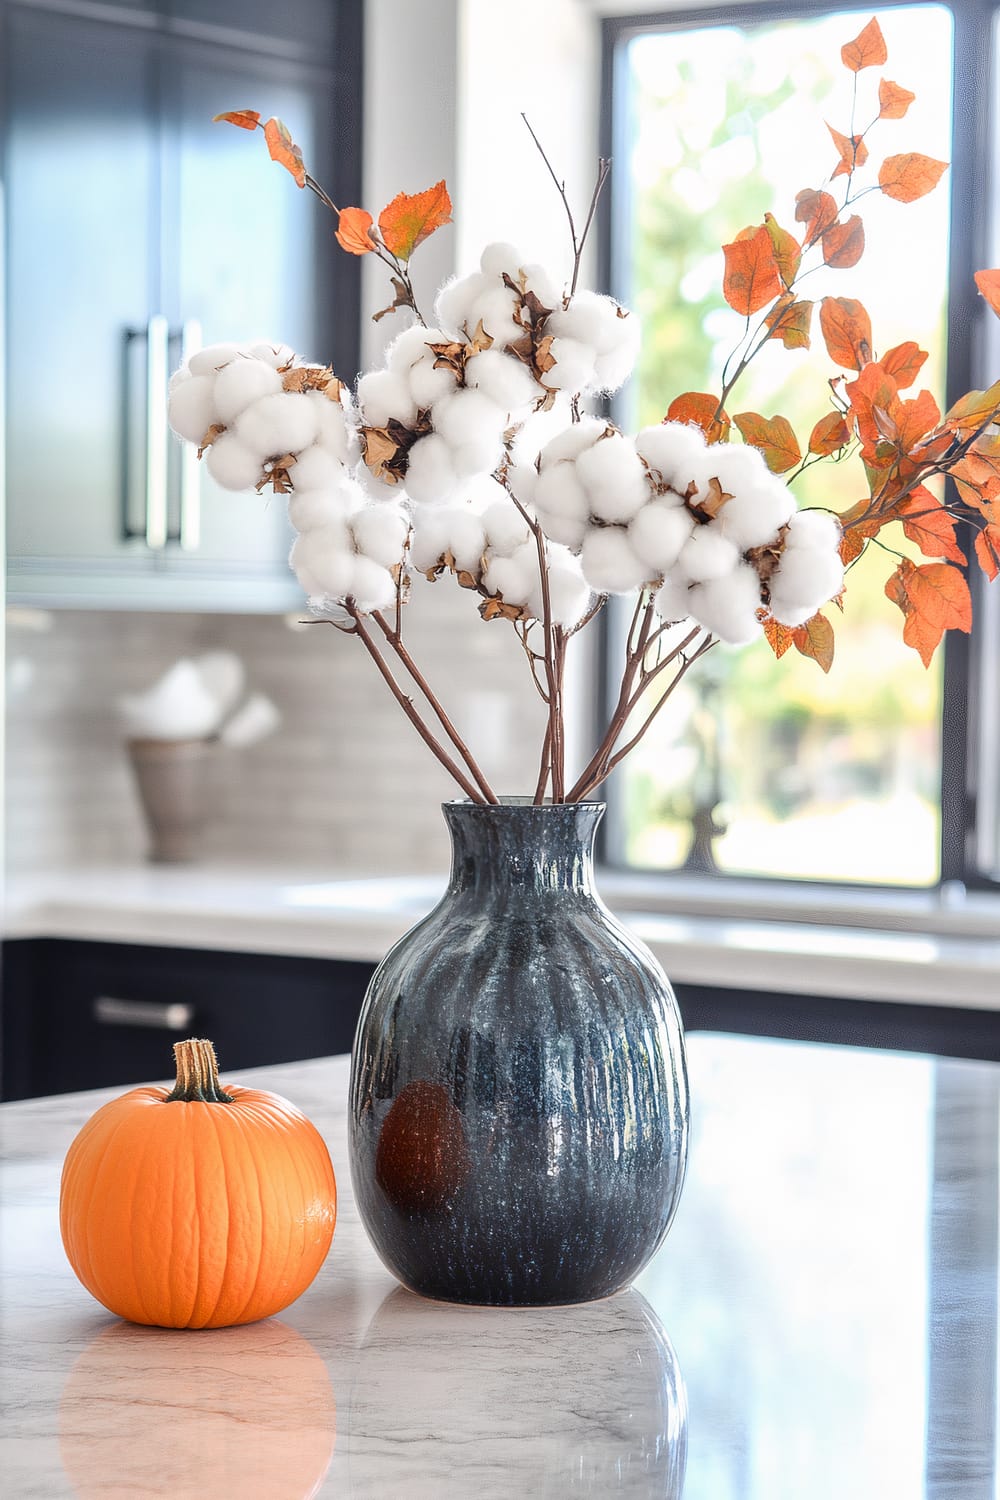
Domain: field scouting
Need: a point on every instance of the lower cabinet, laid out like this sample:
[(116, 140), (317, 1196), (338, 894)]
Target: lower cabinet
[(79, 1015)]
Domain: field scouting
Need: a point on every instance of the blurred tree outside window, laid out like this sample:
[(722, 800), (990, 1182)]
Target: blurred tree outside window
[(756, 766)]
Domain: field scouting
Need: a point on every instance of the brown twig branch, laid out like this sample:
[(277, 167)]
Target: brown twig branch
[(409, 708), (603, 168), (396, 645)]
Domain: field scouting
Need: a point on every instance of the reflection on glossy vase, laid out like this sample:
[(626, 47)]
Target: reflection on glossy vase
[(247, 1410), (519, 1105), (579, 1401)]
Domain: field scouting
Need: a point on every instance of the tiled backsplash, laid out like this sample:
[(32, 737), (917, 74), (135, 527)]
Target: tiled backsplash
[(344, 782)]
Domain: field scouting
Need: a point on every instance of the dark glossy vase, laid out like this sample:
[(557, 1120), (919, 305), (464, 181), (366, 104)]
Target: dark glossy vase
[(519, 1099)]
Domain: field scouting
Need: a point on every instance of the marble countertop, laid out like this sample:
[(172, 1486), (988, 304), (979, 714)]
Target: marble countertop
[(821, 1321), (943, 958)]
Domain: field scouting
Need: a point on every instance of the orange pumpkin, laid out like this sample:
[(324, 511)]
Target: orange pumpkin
[(198, 1207)]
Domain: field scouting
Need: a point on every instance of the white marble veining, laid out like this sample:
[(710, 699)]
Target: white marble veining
[(335, 914), (821, 1321)]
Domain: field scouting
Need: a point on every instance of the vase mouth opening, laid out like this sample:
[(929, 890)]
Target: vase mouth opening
[(524, 805)]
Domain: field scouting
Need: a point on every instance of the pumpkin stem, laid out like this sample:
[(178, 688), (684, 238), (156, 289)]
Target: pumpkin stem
[(198, 1074)]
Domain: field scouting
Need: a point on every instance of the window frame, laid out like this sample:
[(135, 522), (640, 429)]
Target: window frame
[(966, 727)]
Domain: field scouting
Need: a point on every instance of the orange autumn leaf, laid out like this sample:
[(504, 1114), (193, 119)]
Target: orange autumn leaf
[(847, 331), (790, 321), (774, 438), (353, 230), (853, 152), (893, 100), (751, 280), (975, 408), (857, 526), (817, 211), (868, 49), (787, 251), (926, 522), (246, 119), (934, 597), (699, 409), (284, 150), (829, 435), (909, 176), (779, 637), (988, 550), (814, 639), (903, 363), (844, 244), (988, 283), (915, 419), (408, 220), (874, 401)]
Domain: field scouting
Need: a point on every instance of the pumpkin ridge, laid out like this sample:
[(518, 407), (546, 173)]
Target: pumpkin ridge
[(224, 1195), (250, 1169), (151, 1138), (107, 1164)]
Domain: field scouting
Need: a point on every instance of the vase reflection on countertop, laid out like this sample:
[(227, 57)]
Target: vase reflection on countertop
[(456, 1401), (188, 1413)]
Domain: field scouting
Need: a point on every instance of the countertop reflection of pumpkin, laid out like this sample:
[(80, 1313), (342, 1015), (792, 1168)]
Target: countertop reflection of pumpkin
[(150, 1412)]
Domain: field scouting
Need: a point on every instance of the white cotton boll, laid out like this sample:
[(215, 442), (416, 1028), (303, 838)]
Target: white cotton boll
[(212, 358), (498, 258), (372, 586), (429, 384), (504, 527), (753, 517), (334, 431), (311, 510), (380, 533), (315, 468), (539, 280), (672, 601), (590, 318), (374, 488), (558, 492), (384, 395), (181, 374), (673, 450), (240, 383), (411, 346), (513, 577), (191, 409), (568, 531), (455, 300), (323, 562), (787, 613), (480, 491), (658, 532), (430, 472), (472, 426), (467, 537), (574, 365), (232, 464), (431, 537), (738, 465), (569, 596), (613, 369), (614, 477), (805, 576), (495, 310), (572, 441), (727, 606), (276, 425), (507, 382), (523, 481), (814, 529), (706, 554), (609, 564), (276, 355)]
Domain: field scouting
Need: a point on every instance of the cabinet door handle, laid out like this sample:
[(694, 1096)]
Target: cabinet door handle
[(190, 534), (175, 1015), (157, 359)]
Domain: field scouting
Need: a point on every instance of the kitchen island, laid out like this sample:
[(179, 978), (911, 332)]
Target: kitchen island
[(821, 1321)]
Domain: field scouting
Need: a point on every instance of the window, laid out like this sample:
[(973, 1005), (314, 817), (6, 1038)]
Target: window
[(879, 773)]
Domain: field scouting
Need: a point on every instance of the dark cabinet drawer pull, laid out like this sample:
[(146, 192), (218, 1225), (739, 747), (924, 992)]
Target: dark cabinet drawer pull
[(176, 1015)]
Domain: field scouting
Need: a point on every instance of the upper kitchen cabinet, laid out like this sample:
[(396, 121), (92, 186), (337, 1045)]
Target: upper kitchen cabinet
[(137, 230)]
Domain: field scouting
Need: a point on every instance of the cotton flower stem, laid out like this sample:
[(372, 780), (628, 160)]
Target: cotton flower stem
[(555, 657), (544, 767), (396, 645), (603, 168), (409, 708), (635, 646)]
